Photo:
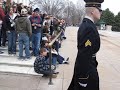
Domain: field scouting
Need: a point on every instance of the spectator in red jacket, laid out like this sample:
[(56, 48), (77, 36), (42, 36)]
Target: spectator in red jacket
[(2, 15)]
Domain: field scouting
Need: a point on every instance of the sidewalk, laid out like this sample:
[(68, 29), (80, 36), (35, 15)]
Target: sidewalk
[(111, 36)]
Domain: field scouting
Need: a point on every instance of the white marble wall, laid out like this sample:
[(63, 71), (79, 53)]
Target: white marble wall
[(109, 27)]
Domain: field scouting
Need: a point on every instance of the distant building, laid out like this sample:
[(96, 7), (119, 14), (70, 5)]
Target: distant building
[(25, 2), (102, 25)]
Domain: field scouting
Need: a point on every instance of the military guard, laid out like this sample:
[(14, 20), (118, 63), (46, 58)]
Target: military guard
[(85, 75)]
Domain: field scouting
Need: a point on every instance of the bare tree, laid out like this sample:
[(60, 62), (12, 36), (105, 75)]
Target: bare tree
[(54, 7), (32, 2), (80, 10), (74, 13), (66, 9)]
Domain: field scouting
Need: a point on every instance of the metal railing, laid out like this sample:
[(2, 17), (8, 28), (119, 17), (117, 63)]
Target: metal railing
[(50, 56)]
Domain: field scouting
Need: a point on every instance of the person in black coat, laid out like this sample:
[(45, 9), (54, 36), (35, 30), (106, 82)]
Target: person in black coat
[(9, 26), (85, 75)]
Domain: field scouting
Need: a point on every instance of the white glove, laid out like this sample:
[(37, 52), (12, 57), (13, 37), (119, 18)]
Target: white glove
[(83, 85)]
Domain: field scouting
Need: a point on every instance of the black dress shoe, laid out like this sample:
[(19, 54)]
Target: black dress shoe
[(55, 72), (14, 53), (9, 52), (1, 52), (65, 62), (30, 48)]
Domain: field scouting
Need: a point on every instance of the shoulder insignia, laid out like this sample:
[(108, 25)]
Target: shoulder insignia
[(88, 43)]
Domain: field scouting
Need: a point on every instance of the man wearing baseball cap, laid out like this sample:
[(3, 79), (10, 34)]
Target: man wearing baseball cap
[(24, 30)]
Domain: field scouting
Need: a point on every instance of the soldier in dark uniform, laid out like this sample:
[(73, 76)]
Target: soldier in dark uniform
[(88, 42)]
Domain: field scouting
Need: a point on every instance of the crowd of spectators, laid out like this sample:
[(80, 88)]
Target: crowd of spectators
[(33, 31)]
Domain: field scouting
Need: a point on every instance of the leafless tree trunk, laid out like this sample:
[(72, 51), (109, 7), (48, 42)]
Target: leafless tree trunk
[(54, 7), (32, 2), (80, 10), (71, 12)]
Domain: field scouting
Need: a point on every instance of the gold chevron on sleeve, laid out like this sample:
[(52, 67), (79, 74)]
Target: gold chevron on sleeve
[(88, 43)]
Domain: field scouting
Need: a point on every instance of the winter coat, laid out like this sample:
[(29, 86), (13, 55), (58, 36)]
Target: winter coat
[(36, 20), (23, 25), (2, 14), (85, 70), (9, 23)]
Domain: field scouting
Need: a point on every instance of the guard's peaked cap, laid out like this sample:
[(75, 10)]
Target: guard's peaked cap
[(93, 3)]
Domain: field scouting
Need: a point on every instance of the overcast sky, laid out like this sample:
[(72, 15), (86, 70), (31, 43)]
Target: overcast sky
[(113, 5)]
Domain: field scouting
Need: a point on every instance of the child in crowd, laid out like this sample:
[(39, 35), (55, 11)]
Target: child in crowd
[(56, 57), (41, 64)]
